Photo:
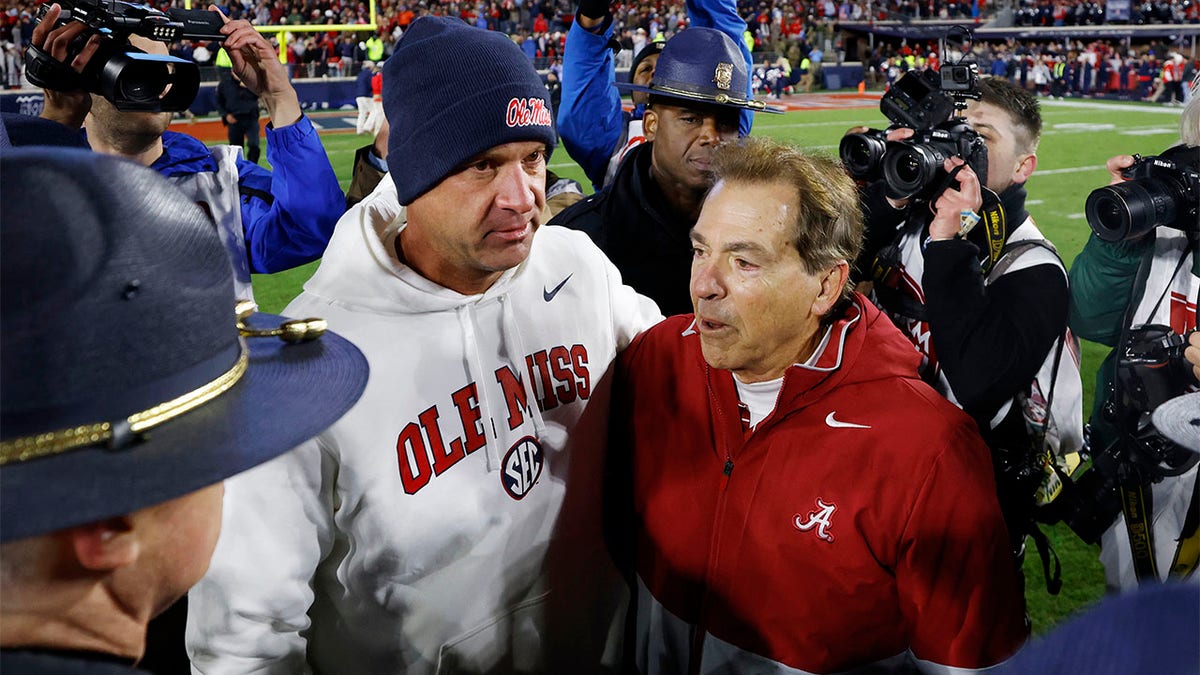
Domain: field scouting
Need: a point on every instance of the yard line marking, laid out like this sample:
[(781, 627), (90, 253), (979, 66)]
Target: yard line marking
[(1097, 105), (1070, 169)]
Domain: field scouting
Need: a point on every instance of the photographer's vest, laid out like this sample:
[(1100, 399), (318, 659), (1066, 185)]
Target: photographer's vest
[(1168, 298), (219, 194), (1172, 285), (1063, 427)]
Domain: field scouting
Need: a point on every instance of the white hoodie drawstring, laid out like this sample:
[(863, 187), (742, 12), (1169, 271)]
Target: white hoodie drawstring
[(467, 319), (512, 338)]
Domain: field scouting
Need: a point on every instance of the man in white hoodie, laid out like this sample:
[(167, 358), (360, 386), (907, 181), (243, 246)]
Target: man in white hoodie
[(451, 522)]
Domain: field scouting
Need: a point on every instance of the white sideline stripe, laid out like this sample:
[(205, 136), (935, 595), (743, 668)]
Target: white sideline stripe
[(1076, 216), (1097, 105), (1070, 169)]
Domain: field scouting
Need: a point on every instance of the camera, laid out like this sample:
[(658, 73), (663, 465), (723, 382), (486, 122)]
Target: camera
[(128, 77), (926, 102), (1158, 191), (1150, 371)]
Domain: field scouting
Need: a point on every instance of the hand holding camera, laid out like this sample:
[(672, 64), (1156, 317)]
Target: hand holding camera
[(68, 108), (257, 64), (912, 164), (957, 209), (1148, 192), (105, 63)]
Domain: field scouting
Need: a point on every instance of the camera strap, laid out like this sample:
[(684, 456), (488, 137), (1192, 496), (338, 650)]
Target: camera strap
[(994, 223), (1187, 554), (1137, 502), (1136, 497)]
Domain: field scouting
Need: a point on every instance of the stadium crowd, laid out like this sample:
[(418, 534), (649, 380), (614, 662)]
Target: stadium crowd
[(539, 26)]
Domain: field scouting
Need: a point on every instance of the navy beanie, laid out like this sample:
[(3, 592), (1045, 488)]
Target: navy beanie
[(441, 117)]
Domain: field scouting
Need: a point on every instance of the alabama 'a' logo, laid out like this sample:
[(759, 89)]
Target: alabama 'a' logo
[(521, 468), (820, 519)]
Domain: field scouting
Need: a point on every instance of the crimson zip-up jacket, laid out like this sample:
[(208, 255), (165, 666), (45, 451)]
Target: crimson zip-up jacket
[(857, 524)]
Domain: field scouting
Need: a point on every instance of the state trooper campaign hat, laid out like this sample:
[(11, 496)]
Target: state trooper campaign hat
[(701, 65), (127, 376), (1179, 420)]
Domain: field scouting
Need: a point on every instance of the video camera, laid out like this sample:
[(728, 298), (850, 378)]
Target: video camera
[(1158, 191), (128, 77), (926, 102)]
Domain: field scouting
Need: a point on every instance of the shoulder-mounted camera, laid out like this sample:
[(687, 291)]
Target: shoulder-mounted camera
[(128, 77)]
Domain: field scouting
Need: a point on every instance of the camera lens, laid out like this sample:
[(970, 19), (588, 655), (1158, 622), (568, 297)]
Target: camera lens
[(861, 155), (909, 169), (1130, 209)]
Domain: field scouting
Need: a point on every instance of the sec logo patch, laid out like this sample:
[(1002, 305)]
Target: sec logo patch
[(522, 467)]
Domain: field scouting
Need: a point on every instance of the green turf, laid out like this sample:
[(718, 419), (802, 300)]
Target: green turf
[(1077, 138)]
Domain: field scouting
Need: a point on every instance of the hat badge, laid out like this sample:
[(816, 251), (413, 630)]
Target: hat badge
[(723, 75)]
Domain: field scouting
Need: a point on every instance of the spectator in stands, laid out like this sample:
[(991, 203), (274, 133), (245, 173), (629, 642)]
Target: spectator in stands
[(642, 218), (271, 221), (104, 529)]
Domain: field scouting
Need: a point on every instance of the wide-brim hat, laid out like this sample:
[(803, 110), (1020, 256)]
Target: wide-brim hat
[(701, 65), (125, 380), (1179, 420)]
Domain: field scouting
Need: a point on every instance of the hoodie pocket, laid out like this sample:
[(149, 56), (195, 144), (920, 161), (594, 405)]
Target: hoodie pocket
[(508, 642)]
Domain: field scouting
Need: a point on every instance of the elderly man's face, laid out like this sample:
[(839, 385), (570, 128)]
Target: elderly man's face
[(757, 307), (479, 221), (684, 139)]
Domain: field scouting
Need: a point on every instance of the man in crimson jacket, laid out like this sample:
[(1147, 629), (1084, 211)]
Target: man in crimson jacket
[(801, 499)]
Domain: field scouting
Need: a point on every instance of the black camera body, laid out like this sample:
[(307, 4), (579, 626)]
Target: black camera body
[(1159, 191), (925, 101), (1151, 370), (913, 167), (128, 77)]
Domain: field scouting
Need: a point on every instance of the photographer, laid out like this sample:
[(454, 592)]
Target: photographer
[(1117, 288), (271, 220), (985, 306)]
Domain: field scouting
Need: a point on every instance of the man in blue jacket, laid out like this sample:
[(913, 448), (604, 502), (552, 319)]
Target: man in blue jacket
[(595, 130), (269, 220)]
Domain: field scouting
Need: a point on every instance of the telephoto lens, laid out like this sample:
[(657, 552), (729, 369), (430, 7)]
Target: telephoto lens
[(1162, 191), (1128, 210)]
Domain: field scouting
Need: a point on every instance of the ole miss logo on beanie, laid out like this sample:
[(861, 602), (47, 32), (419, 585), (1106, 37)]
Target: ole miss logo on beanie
[(528, 112)]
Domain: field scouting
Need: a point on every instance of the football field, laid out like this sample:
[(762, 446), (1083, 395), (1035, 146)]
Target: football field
[(1077, 137)]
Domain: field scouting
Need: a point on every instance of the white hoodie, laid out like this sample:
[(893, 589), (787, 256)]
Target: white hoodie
[(432, 529)]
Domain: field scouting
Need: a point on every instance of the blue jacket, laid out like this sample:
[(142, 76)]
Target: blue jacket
[(590, 119), (288, 214)]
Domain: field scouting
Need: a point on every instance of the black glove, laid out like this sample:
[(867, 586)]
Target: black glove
[(593, 9)]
